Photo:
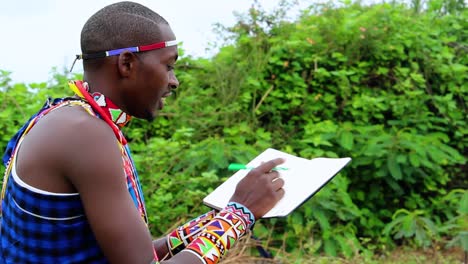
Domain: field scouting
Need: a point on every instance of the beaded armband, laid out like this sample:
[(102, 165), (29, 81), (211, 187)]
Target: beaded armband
[(178, 239), (221, 233), (243, 211)]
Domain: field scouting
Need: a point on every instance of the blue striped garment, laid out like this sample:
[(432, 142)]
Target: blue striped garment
[(47, 228), (41, 228), (60, 235)]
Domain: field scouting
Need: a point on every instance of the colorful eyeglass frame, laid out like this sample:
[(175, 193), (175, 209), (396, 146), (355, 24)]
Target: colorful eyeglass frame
[(117, 52)]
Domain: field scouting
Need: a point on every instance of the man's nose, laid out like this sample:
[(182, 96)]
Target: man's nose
[(173, 82)]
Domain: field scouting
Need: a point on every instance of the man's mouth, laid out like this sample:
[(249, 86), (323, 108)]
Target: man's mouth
[(162, 101), (167, 94)]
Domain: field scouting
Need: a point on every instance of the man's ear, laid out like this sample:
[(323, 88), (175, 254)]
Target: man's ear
[(126, 64)]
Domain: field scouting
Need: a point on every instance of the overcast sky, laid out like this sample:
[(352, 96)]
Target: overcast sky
[(36, 35)]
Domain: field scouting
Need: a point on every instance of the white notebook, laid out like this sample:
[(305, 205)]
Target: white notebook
[(303, 179)]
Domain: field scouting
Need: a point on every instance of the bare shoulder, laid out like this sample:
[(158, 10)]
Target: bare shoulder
[(53, 151), (73, 137), (73, 124)]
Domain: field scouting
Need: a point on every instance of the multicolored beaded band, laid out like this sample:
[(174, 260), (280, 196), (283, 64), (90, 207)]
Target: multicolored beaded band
[(220, 234), (115, 52), (178, 239), (243, 211)]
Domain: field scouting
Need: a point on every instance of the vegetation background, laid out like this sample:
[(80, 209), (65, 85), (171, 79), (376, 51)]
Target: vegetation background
[(385, 84)]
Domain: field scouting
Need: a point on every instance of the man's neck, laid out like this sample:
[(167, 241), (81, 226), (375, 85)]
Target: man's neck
[(105, 86), (98, 84)]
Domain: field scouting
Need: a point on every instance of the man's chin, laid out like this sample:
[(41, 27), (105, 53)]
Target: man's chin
[(146, 115), (150, 116)]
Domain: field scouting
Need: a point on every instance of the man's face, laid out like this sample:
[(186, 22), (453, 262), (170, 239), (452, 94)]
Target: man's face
[(155, 79)]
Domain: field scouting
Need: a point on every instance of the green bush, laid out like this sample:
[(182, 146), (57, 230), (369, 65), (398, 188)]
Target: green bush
[(384, 84)]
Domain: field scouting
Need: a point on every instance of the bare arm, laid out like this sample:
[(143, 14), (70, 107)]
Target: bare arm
[(93, 164)]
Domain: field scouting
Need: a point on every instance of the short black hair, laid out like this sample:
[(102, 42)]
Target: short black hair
[(121, 25)]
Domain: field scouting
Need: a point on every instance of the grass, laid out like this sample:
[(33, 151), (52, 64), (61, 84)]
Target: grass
[(403, 255)]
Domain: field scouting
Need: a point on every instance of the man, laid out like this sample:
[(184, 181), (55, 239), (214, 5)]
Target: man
[(71, 193)]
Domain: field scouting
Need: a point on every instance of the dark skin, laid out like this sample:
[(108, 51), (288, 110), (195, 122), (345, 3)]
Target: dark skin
[(82, 156)]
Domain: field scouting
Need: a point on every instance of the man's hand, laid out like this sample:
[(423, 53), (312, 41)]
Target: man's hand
[(260, 189)]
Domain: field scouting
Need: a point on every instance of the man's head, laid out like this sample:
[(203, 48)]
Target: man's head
[(139, 80)]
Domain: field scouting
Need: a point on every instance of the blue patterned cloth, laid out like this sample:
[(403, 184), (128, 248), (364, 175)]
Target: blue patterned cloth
[(60, 235), (41, 228)]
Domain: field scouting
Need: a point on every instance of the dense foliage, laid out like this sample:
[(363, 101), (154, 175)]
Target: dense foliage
[(383, 84)]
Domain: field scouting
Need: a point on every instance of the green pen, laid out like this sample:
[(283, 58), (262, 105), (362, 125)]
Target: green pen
[(239, 166)]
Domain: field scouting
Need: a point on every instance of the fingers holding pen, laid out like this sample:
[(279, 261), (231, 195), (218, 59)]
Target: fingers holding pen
[(261, 188), (269, 177), (275, 178), (269, 165), (277, 183)]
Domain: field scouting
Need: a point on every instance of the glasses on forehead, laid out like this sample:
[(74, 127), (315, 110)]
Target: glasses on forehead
[(116, 52)]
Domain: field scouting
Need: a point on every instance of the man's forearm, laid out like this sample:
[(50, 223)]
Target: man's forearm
[(160, 245)]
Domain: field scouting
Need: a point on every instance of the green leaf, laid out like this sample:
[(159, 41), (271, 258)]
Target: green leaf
[(330, 247), (463, 208), (344, 245), (321, 219), (414, 159), (394, 167), (346, 140), (297, 223), (464, 240)]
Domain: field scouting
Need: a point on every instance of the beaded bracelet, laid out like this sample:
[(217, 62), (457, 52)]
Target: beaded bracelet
[(178, 239), (221, 233), (243, 211)]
